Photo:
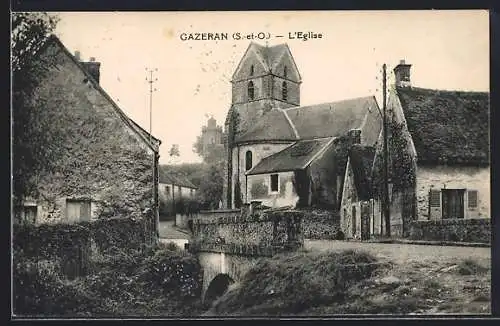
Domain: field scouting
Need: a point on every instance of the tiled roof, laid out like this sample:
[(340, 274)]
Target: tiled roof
[(295, 157), (176, 180), (361, 160), (273, 125), (330, 119), (447, 127)]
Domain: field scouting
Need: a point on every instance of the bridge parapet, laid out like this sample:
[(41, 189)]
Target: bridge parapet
[(259, 233)]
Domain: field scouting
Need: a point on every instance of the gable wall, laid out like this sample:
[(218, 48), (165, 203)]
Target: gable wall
[(99, 155), (259, 151)]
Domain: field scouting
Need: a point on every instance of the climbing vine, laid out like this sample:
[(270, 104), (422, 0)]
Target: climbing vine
[(401, 165)]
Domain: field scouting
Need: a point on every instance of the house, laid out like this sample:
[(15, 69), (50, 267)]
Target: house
[(356, 203), (174, 186), (439, 162), (283, 154), (103, 164)]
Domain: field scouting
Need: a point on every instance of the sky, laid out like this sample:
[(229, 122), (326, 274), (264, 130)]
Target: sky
[(447, 50)]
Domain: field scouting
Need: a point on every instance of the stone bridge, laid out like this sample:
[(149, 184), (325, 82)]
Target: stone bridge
[(229, 242)]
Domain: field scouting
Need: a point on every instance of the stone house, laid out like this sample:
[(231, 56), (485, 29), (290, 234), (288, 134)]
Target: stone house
[(356, 203), (103, 164), (281, 153), (176, 186), (439, 154)]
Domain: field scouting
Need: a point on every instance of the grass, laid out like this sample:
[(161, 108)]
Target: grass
[(355, 282), (470, 267)]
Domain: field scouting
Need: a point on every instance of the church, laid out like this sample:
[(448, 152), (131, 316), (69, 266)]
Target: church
[(280, 153)]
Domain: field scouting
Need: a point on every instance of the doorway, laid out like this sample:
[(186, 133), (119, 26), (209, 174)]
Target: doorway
[(453, 203)]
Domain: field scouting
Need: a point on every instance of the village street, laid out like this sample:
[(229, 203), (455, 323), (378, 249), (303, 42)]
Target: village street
[(406, 253)]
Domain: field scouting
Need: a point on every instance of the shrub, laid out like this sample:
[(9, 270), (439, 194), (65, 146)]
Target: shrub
[(470, 267)]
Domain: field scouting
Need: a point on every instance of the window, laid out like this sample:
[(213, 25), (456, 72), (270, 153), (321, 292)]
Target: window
[(248, 160), (285, 72), (434, 198), (251, 90), (251, 70), (472, 198), (77, 210), (274, 183), (284, 91), (167, 190), (26, 213)]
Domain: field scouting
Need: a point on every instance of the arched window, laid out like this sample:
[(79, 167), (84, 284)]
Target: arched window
[(250, 91), (285, 72), (248, 160), (251, 70), (284, 91)]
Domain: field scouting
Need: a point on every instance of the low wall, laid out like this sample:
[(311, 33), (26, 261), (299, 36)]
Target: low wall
[(460, 230), (321, 226), (247, 232)]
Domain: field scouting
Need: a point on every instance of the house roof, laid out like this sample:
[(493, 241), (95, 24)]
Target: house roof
[(295, 157), (274, 125), (447, 127), (361, 160), (175, 179), (144, 135), (330, 119), (268, 55)]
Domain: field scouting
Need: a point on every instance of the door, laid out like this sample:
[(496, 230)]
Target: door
[(453, 203), (354, 221), (365, 221)]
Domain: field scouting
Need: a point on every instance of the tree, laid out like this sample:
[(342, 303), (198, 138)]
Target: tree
[(210, 189), (213, 154), (36, 142), (174, 153)]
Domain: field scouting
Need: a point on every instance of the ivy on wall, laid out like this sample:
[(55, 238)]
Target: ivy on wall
[(401, 165)]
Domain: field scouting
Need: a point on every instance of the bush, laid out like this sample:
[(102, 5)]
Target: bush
[(124, 282), (181, 205), (291, 284)]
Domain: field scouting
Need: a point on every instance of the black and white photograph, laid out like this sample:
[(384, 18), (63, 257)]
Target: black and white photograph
[(258, 164)]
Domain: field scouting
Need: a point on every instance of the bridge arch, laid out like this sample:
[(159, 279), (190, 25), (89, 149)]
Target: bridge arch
[(217, 287)]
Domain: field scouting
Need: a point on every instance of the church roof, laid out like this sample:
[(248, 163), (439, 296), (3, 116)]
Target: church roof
[(361, 160), (296, 157), (447, 127), (273, 125), (268, 55), (332, 119)]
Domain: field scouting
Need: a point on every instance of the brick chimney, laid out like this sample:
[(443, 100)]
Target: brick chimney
[(402, 73), (93, 68), (355, 136)]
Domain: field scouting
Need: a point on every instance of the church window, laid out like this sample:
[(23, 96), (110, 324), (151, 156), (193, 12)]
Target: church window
[(251, 70), (284, 91), (251, 91), (248, 160), (285, 72)]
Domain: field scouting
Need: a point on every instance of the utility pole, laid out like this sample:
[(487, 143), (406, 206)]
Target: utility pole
[(151, 81), (387, 217)]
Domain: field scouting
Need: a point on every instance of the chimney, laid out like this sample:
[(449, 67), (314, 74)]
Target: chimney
[(355, 135), (402, 73), (93, 68), (77, 55)]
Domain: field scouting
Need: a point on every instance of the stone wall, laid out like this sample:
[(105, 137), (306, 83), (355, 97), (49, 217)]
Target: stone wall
[(461, 230), (449, 177), (277, 229), (321, 225), (99, 156)]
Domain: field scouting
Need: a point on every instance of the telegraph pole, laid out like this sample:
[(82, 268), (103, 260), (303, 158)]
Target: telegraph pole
[(387, 217), (151, 81)]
